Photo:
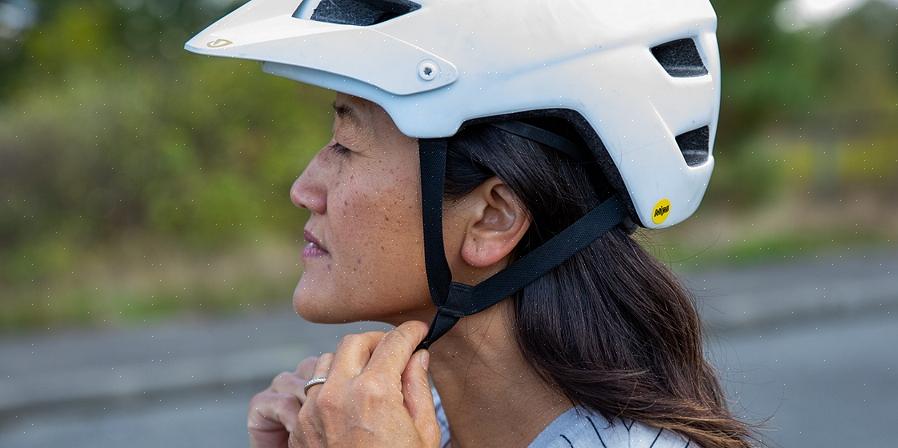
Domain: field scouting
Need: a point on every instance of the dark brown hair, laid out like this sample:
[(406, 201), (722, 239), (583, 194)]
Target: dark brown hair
[(612, 328)]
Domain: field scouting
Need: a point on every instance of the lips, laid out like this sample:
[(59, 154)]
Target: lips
[(314, 248)]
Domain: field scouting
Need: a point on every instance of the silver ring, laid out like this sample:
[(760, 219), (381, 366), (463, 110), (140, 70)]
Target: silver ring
[(312, 382)]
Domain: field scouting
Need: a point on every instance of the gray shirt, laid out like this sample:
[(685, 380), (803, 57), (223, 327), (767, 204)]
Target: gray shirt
[(579, 427)]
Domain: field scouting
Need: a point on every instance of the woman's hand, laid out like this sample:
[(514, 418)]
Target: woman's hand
[(376, 395), (273, 413)]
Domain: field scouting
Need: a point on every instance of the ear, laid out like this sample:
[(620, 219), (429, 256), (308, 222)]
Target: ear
[(496, 223)]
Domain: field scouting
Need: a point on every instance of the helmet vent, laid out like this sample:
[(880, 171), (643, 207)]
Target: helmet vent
[(356, 12), (694, 145), (680, 58)]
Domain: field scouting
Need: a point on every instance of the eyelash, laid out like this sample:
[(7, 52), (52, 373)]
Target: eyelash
[(340, 149)]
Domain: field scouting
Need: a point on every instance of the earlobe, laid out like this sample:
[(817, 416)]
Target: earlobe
[(497, 224)]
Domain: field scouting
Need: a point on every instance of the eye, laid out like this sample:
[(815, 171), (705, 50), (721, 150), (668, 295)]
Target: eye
[(339, 149)]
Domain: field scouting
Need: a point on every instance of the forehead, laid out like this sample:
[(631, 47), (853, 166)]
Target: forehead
[(365, 119), (353, 110)]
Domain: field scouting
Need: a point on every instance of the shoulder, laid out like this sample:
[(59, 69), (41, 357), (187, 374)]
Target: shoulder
[(579, 427)]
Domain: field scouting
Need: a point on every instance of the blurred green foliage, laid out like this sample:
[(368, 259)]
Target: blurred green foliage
[(111, 135), (111, 127)]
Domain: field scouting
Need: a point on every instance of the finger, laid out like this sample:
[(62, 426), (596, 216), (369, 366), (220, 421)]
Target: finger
[(307, 434), (290, 383), (306, 367), (418, 398), (322, 368), (353, 354), (272, 415), (392, 354)]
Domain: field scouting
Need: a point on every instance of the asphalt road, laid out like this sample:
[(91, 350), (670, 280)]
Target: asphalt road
[(826, 383)]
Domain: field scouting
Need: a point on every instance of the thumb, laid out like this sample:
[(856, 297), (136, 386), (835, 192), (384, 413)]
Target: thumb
[(419, 398)]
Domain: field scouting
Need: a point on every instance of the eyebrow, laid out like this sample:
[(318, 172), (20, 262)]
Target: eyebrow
[(345, 112)]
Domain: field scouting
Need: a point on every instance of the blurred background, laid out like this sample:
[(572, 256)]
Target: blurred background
[(148, 247)]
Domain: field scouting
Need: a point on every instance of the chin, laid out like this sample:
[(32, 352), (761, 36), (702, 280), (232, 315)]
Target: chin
[(318, 315), (321, 308), (313, 309)]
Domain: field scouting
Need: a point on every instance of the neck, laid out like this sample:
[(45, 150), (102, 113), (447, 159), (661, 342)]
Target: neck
[(491, 396)]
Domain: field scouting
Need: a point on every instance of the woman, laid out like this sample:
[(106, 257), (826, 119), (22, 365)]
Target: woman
[(531, 139)]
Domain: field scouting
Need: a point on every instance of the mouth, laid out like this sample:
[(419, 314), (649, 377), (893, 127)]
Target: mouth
[(313, 248)]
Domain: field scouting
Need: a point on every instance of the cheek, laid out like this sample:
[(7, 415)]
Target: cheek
[(377, 218), (377, 233)]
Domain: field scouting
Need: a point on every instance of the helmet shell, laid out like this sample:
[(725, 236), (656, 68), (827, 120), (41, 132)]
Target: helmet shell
[(450, 61)]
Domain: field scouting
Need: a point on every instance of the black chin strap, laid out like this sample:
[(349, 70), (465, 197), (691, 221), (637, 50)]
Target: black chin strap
[(455, 300)]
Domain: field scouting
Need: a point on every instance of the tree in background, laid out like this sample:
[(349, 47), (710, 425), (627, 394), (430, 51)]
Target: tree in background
[(109, 129)]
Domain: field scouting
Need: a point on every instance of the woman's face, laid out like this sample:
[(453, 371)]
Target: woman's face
[(366, 214)]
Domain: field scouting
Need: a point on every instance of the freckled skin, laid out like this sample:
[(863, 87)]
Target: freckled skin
[(365, 209)]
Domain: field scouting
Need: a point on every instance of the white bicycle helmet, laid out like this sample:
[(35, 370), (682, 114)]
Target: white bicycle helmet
[(638, 80)]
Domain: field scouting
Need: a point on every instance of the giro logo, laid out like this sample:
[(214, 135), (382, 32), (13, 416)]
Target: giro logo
[(661, 211), (218, 43)]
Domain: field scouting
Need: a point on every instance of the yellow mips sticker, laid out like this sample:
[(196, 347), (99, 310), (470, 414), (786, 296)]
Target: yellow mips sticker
[(661, 211)]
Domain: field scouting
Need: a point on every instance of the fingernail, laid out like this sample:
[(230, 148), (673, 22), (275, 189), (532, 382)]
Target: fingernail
[(425, 359)]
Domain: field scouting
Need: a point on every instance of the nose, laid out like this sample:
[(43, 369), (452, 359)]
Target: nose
[(308, 191)]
